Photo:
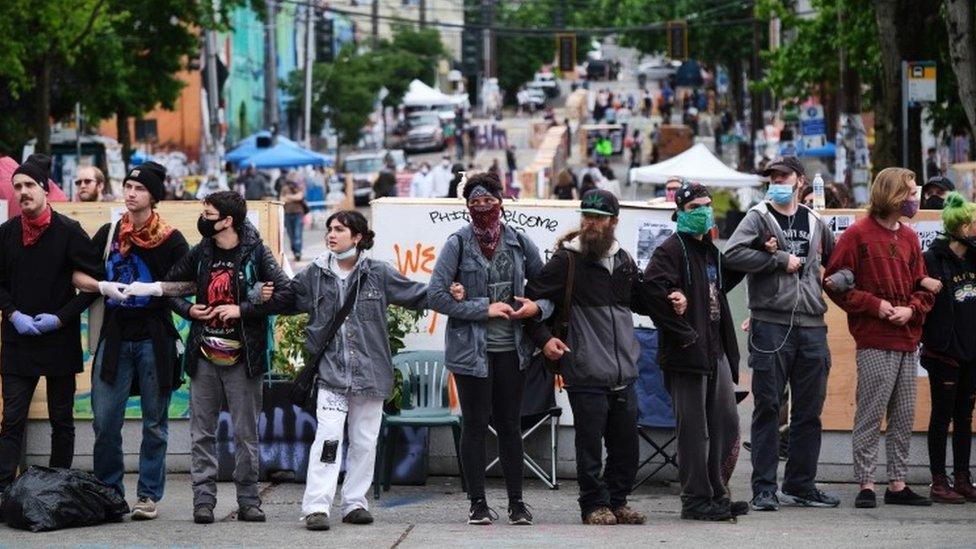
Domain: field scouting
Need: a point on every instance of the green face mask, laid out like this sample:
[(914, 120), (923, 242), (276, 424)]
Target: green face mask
[(697, 221)]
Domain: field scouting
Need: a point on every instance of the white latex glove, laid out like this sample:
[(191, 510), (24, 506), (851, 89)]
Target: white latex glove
[(144, 289), (112, 290)]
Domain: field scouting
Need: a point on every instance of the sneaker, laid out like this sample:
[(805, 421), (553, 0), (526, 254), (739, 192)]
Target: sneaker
[(518, 514), (905, 496), (601, 516), (812, 498), (942, 492), (706, 510), (250, 513), (626, 515), (203, 514), (358, 516), (317, 521), (866, 499), (765, 501), (480, 514), (144, 509), (963, 486)]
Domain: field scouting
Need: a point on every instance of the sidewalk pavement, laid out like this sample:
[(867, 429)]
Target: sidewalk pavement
[(433, 516)]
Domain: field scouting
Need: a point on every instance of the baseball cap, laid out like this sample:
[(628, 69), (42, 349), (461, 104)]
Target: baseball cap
[(941, 182), (600, 202), (784, 164)]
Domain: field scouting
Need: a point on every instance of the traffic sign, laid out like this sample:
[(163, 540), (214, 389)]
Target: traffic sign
[(812, 121), (921, 81)]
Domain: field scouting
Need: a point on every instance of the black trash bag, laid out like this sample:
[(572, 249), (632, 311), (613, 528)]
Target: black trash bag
[(50, 498)]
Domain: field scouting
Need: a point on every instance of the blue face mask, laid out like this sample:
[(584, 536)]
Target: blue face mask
[(697, 221), (780, 194), (351, 252)]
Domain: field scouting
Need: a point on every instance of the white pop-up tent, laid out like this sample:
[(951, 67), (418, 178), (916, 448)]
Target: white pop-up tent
[(696, 164), (421, 95)]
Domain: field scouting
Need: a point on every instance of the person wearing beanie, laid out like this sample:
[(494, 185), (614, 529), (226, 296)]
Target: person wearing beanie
[(594, 284), (688, 280), (40, 251), (485, 347), (136, 351), (949, 349)]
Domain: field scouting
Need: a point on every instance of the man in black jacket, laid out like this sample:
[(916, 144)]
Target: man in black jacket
[(39, 252), (698, 355), (597, 355), (226, 351)]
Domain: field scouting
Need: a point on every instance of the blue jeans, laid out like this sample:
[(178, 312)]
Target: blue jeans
[(294, 226), (108, 407)]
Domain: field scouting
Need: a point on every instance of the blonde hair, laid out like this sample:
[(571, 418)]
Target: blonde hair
[(889, 190)]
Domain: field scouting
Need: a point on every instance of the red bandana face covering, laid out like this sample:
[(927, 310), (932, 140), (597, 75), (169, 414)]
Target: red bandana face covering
[(487, 226), (34, 228)]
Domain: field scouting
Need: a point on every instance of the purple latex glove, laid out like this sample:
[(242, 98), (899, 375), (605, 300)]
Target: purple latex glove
[(23, 324), (45, 323)]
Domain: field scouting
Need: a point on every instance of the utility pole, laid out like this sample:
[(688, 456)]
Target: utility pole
[(489, 37), (270, 70), (756, 110), (423, 13), (309, 58), (213, 93), (374, 18)]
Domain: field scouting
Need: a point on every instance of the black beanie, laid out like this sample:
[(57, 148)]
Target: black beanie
[(152, 176), (38, 168)]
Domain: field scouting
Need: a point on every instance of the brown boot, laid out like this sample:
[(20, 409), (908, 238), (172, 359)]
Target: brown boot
[(600, 516), (941, 491), (626, 515), (964, 486)]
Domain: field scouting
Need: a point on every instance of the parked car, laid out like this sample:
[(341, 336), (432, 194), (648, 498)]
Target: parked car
[(425, 132), (364, 167), (601, 69), (545, 81)]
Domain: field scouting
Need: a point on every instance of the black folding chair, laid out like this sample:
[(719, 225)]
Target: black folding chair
[(531, 424), (655, 414)]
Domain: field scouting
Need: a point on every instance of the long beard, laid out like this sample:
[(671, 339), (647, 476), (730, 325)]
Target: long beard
[(595, 243)]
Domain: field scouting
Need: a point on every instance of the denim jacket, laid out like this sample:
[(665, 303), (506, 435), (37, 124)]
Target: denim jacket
[(465, 341), (358, 360)]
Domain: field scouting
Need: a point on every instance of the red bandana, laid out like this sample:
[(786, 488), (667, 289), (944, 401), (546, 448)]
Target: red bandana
[(152, 234), (34, 228), (487, 226)]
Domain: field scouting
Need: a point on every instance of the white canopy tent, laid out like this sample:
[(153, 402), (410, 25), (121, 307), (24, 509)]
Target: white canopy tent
[(696, 164), (421, 95)]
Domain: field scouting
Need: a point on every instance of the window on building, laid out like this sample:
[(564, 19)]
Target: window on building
[(146, 130)]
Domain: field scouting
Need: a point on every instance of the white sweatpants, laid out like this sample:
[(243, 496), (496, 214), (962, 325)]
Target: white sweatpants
[(364, 416)]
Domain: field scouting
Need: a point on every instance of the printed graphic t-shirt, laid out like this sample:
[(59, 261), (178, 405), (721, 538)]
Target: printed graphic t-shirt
[(797, 230), (221, 342)]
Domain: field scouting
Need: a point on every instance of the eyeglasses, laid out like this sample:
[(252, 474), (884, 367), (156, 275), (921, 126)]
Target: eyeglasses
[(80, 182)]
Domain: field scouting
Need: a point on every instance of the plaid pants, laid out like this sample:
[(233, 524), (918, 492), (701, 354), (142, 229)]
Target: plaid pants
[(885, 382)]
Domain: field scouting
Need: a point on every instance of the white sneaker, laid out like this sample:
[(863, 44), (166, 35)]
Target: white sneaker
[(144, 509)]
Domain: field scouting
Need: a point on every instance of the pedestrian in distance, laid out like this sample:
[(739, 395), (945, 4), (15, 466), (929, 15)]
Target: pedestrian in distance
[(885, 309), (485, 347), (596, 355), (91, 186), (295, 208), (688, 282), (355, 369)]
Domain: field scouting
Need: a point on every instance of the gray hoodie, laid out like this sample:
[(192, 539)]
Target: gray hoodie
[(774, 294)]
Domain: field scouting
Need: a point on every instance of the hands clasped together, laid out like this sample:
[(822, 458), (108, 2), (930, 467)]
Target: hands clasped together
[(36, 325)]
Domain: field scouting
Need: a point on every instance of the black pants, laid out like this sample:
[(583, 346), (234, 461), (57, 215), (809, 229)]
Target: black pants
[(498, 399), (802, 363), (953, 395), (17, 393), (611, 419)]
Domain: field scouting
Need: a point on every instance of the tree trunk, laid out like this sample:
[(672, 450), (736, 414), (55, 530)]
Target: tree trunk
[(887, 117), (962, 54), (122, 128), (42, 110), (736, 88)]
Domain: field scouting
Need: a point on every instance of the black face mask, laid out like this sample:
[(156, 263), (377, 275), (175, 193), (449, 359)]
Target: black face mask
[(934, 203), (208, 227)]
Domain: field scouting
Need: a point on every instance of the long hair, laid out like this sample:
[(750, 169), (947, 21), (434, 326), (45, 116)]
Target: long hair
[(889, 190)]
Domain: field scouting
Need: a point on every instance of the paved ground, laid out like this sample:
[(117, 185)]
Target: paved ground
[(433, 516)]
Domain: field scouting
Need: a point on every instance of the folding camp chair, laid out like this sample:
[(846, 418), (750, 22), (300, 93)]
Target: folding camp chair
[(654, 409)]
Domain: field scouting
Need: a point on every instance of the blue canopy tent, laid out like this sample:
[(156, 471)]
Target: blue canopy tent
[(249, 145), (283, 155), (827, 151)]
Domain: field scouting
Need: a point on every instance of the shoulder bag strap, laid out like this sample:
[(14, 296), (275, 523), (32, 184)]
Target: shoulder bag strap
[(108, 241), (351, 293), (567, 297)]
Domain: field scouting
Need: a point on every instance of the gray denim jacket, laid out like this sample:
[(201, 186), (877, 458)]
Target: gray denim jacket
[(465, 340), (358, 360)]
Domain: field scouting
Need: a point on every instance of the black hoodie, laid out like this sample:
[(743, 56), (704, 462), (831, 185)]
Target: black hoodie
[(948, 329)]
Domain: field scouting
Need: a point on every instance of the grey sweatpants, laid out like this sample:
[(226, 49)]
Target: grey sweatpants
[(208, 387), (886, 382), (707, 429)]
